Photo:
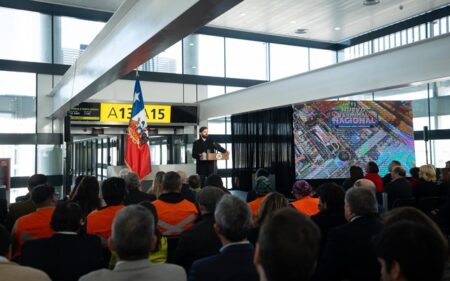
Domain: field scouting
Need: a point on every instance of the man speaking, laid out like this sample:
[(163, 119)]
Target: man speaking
[(200, 149)]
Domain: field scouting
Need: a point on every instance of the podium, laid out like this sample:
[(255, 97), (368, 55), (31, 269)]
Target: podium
[(215, 156)]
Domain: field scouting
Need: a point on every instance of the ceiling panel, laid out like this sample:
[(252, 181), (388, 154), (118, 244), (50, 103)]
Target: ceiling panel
[(324, 20)]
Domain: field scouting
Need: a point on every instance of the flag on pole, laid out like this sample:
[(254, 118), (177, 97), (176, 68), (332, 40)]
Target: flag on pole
[(137, 152)]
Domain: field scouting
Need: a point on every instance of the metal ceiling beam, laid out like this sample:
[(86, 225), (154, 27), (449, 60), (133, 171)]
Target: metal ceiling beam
[(138, 31), (416, 63)]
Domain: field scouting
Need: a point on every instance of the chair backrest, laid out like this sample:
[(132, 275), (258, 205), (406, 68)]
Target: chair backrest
[(404, 202), (428, 204)]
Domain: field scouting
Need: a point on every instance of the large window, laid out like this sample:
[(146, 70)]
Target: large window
[(17, 102), (287, 60), (204, 55), (25, 36), (22, 159), (72, 37), (246, 59), (169, 61), (320, 58)]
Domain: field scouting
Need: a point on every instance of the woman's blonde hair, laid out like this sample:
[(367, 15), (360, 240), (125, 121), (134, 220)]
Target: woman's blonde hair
[(157, 187), (428, 173), (271, 203)]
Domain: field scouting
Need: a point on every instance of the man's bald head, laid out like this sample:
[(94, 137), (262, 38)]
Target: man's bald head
[(366, 184)]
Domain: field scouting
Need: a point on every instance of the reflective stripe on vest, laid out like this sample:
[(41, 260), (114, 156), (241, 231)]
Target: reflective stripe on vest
[(178, 228)]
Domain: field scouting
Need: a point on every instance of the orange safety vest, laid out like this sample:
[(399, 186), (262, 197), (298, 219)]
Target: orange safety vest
[(254, 205), (99, 222), (307, 205), (33, 226), (174, 218)]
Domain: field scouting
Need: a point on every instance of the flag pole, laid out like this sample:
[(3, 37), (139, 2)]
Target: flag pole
[(137, 73)]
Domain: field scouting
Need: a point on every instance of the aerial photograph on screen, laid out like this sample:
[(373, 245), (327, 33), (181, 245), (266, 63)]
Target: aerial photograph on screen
[(331, 136)]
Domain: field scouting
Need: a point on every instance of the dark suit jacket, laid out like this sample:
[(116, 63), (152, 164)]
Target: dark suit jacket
[(234, 263), (64, 257), (18, 210), (197, 242), (326, 221), (398, 189), (348, 252), (425, 189), (205, 167), (136, 196)]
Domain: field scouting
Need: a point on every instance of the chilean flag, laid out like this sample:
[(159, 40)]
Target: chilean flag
[(137, 153)]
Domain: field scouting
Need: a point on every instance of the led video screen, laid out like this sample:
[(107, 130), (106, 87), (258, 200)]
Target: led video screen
[(331, 136)]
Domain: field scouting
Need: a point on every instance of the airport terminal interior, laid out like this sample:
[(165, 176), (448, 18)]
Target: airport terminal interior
[(305, 89)]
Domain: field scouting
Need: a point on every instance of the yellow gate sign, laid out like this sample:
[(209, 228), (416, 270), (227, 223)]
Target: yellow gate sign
[(121, 113)]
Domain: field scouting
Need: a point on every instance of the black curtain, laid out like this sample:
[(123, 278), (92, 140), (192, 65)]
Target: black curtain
[(263, 139)]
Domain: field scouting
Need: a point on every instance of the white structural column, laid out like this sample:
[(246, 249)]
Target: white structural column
[(138, 31), (423, 61)]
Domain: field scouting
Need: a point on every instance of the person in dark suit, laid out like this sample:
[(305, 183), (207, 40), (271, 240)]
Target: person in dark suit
[(66, 255), (200, 147), (200, 240), (135, 195), (24, 206), (348, 252), (235, 260), (399, 187), (388, 177), (331, 214)]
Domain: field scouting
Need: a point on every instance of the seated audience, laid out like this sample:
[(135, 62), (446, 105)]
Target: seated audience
[(157, 185), (133, 237), (356, 173), (194, 183), (159, 251), (271, 203), (331, 210), (414, 177), (10, 271), (388, 177), (135, 194), (444, 185), (426, 187), (186, 191), (410, 251), (37, 224), (348, 253), (86, 195), (235, 260), (304, 203), (372, 174), (67, 255), (262, 187), (261, 172), (24, 207), (287, 248), (175, 213), (216, 181), (399, 187), (200, 240), (99, 222)]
